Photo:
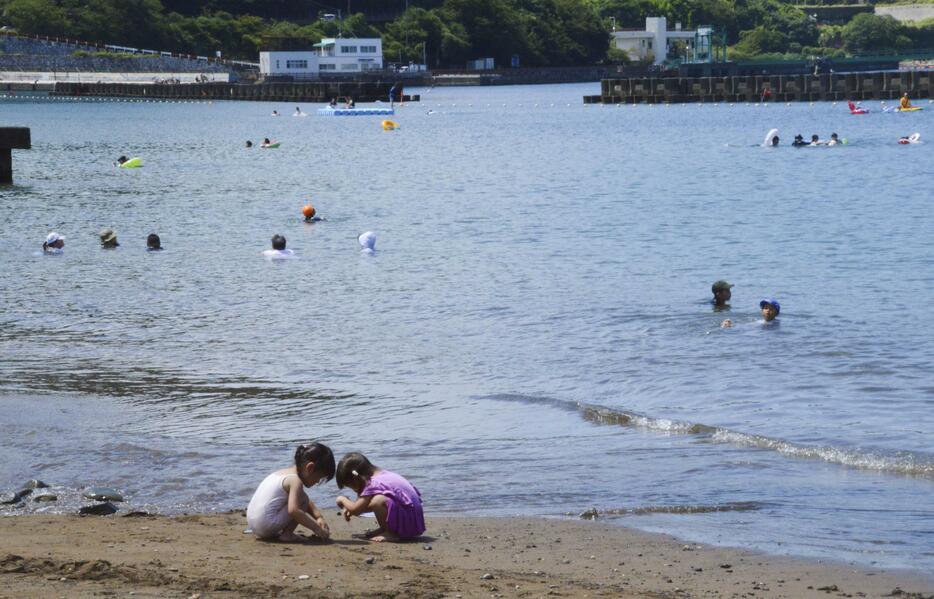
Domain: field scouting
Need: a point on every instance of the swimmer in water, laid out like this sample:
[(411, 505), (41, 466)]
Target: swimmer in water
[(310, 214), (775, 141), (153, 243), (333, 103), (799, 141), (721, 294), (278, 249), (367, 242), (108, 239), (275, 113), (770, 309), (815, 141), (726, 324), (53, 244), (834, 140), (249, 143), (121, 160), (298, 112)]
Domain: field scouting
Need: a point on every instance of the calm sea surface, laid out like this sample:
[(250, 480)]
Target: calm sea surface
[(532, 336)]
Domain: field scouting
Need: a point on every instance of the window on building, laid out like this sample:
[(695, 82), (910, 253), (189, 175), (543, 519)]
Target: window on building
[(367, 49), (296, 64), (650, 44), (327, 66), (349, 67), (348, 49)]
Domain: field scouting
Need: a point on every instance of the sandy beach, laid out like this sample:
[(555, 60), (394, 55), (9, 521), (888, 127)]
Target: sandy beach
[(210, 556)]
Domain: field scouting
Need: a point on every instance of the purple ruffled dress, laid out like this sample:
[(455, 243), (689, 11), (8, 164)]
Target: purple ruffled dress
[(405, 517)]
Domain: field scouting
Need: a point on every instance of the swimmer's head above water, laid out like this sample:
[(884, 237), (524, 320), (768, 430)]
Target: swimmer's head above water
[(278, 242), (770, 309), (721, 292), (153, 243), (53, 241), (108, 238), (367, 242)]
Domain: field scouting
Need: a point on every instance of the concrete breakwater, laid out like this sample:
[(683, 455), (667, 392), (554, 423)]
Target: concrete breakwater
[(752, 88), (320, 91)]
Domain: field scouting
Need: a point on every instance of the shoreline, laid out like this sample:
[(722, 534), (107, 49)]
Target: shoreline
[(209, 555)]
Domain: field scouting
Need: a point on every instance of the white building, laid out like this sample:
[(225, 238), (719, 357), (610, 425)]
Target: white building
[(333, 56), (653, 43)]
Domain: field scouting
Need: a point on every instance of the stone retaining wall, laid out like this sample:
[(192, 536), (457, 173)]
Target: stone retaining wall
[(24, 54)]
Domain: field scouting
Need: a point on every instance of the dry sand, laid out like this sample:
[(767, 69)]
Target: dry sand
[(209, 556)]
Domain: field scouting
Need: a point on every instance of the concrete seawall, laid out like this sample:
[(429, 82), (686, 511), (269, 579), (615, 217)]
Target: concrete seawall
[(272, 92), (782, 88)]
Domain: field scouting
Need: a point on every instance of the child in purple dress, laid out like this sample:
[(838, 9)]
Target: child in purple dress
[(394, 501)]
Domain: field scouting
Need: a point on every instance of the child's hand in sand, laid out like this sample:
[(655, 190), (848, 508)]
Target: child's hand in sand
[(324, 528), (344, 504)]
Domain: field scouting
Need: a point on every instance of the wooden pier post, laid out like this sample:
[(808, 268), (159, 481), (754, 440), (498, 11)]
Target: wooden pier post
[(11, 138)]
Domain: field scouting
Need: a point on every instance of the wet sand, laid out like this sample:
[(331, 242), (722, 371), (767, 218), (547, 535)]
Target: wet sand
[(202, 556)]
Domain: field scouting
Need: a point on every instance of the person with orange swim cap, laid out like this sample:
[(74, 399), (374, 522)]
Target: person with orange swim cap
[(309, 212)]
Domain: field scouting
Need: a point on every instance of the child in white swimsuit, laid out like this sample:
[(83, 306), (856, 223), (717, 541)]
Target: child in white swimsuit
[(280, 503)]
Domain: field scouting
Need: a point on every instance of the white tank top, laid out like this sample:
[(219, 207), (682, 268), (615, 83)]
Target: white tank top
[(268, 512)]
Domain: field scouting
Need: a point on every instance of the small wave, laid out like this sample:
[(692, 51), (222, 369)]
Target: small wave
[(733, 506), (903, 463)]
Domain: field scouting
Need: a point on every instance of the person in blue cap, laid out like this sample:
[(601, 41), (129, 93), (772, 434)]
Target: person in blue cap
[(770, 309)]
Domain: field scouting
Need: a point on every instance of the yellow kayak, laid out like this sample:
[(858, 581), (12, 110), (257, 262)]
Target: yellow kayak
[(910, 109)]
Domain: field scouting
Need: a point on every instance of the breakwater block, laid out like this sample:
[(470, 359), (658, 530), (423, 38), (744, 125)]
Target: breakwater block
[(11, 138), (354, 111)]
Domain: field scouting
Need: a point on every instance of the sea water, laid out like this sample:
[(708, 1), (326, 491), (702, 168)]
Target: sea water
[(532, 335)]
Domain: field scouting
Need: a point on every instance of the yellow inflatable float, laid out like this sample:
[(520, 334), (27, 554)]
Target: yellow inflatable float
[(135, 162), (390, 125)]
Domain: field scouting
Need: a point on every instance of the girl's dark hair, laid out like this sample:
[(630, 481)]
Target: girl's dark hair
[(318, 453), (353, 466)]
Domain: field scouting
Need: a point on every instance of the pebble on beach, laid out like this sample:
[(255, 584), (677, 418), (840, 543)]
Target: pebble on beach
[(98, 509)]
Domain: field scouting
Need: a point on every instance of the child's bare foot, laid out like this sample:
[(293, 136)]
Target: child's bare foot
[(291, 537), (385, 537)]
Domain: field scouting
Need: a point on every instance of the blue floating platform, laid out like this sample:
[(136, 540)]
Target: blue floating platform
[(354, 111)]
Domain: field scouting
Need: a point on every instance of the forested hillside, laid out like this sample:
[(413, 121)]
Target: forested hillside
[(450, 32)]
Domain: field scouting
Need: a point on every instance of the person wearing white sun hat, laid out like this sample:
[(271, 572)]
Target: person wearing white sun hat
[(53, 244)]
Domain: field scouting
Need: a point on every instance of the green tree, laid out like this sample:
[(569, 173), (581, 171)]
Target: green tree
[(415, 30), (37, 16), (868, 33), (761, 41), (494, 27)]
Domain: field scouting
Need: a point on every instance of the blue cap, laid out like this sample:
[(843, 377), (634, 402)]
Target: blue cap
[(770, 302)]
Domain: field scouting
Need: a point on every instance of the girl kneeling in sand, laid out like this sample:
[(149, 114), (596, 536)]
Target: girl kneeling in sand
[(396, 504), (280, 503)]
